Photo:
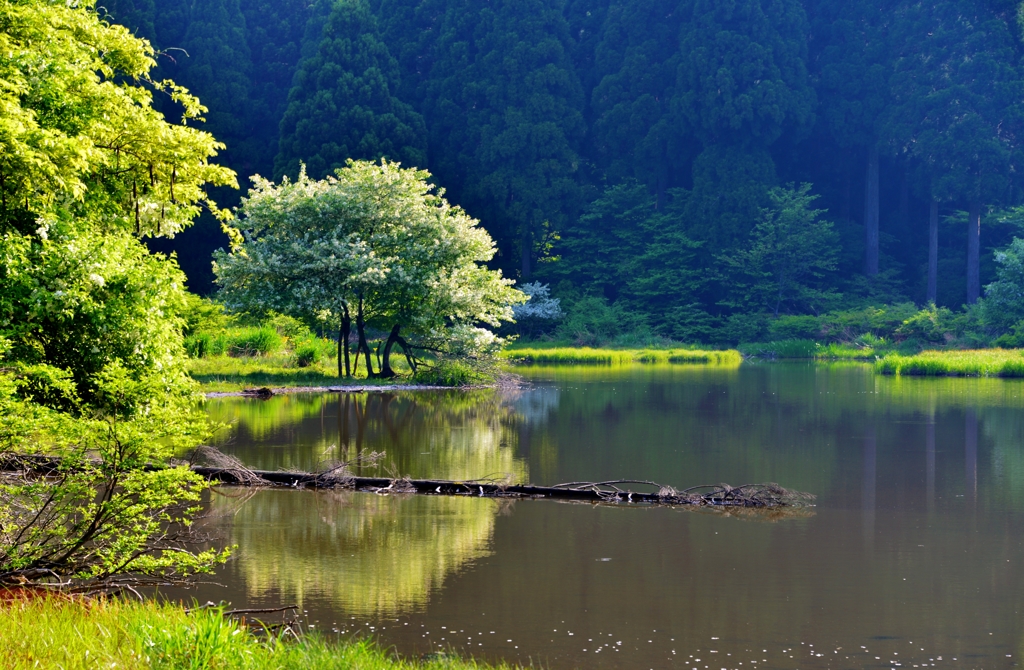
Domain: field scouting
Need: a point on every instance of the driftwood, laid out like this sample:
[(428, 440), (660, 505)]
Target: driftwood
[(228, 470), (722, 495)]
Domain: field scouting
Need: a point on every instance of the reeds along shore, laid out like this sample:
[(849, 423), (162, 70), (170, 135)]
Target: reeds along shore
[(54, 631), (590, 356), (966, 363)]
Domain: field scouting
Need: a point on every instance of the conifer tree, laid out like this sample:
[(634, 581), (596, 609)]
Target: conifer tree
[(218, 69), (742, 83), (854, 66), (957, 110), (343, 102), (504, 108), (275, 30), (637, 128)]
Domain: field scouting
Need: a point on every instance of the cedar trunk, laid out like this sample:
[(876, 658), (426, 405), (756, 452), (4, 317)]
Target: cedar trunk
[(933, 250), (871, 213), (974, 253)]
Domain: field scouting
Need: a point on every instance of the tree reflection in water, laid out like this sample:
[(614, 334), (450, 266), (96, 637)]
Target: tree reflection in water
[(370, 555)]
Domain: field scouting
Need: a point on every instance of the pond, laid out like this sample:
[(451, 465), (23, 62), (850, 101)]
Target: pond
[(911, 557)]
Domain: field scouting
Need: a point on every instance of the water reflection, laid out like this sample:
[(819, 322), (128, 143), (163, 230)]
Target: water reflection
[(442, 435), (915, 537), (370, 555)]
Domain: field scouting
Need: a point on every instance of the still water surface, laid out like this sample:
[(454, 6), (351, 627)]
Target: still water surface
[(912, 556)]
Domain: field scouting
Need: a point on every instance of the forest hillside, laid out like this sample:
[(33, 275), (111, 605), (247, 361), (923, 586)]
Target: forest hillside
[(696, 169)]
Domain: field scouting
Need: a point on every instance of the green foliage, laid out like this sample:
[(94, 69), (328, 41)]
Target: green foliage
[(80, 634), (343, 103), (307, 354), (1003, 305), (789, 259), (254, 342), (92, 369), (64, 150), (590, 356), (451, 372), (375, 243), (984, 363)]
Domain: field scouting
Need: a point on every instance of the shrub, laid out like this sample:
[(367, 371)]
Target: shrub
[(795, 328), (448, 372), (254, 342), (199, 345), (307, 354)]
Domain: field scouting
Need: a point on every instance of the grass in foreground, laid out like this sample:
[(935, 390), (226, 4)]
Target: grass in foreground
[(963, 363), (590, 356), (53, 632)]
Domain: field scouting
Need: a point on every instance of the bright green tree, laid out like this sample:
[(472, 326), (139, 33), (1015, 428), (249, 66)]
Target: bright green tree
[(84, 141), (343, 106), (377, 244), (91, 360)]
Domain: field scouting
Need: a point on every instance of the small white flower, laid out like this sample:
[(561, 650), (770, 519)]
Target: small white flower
[(98, 280)]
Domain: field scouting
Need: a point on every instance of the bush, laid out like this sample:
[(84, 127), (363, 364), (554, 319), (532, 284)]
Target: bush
[(932, 324), (254, 342), (199, 345), (795, 328), (448, 372), (781, 349), (592, 321)]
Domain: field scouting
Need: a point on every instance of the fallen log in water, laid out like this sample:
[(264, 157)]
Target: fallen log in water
[(228, 470), (750, 495)]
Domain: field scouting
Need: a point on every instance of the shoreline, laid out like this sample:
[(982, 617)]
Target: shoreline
[(268, 392)]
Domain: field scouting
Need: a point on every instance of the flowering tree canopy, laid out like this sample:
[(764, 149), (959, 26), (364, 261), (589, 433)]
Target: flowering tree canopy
[(376, 243)]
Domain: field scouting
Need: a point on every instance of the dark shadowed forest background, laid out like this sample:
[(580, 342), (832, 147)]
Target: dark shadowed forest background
[(702, 170)]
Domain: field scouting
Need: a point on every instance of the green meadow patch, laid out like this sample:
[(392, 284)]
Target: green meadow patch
[(57, 632), (965, 363), (591, 356)]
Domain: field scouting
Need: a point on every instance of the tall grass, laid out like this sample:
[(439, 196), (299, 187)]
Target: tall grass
[(797, 348), (51, 632), (964, 363), (590, 356)]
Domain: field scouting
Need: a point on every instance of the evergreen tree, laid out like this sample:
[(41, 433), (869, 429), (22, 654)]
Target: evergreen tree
[(853, 64), (343, 105), (958, 110), (504, 109), (275, 29), (219, 70), (637, 128), (135, 15), (742, 82)]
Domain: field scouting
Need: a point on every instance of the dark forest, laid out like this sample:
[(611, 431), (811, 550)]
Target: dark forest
[(695, 168)]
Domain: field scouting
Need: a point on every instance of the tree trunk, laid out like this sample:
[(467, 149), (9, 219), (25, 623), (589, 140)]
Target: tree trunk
[(871, 214), (933, 250), (407, 350), (346, 331), (527, 256), (974, 253), (363, 346), (385, 367)]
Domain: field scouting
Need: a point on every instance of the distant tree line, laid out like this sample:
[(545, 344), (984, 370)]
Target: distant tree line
[(658, 155)]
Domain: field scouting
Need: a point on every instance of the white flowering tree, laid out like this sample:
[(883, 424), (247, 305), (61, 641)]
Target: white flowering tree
[(374, 244)]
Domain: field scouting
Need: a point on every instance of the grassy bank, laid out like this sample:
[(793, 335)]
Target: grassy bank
[(589, 356), (964, 363), (52, 633)]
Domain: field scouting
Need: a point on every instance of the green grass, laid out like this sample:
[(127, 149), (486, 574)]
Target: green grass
[(795, 348), (962, 363), (52, 632), (590, 356), (227, 373)]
